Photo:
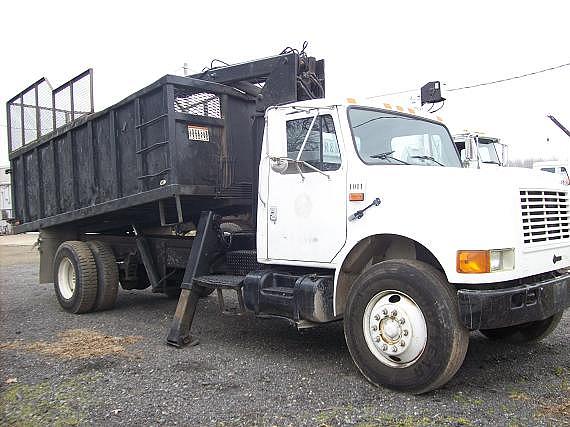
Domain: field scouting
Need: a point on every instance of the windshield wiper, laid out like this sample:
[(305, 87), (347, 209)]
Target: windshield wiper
[(492, 162), (387, 156), (428, 158), (382, 117)]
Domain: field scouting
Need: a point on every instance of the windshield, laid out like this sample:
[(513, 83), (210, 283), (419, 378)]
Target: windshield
[(488, 152), (385, 138)]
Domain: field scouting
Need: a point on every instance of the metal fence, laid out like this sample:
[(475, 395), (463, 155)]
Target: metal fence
[(39, 109)]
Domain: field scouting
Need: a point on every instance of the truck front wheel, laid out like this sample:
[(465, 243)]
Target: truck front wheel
[(527, 332), (402, 326), (75, 280)]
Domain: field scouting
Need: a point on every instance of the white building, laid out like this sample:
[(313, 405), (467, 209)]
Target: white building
[(5, 200)]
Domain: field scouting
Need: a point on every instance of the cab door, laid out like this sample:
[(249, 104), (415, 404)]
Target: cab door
[(306, 209)]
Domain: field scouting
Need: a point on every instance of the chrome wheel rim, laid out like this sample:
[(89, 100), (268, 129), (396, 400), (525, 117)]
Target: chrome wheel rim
[(66, 278), (395, 329)]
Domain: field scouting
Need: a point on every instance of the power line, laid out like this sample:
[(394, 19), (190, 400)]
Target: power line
[(392, 93), (510, 78), (481, 84)]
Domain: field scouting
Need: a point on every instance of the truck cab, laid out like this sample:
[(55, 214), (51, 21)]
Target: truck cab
[(324, 164), (379, 196)]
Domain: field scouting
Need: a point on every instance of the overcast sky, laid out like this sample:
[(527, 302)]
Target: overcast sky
[(370, 48)]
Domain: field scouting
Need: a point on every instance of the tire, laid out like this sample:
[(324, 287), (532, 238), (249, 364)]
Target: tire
[(107, 275), (420, 342), (75, 277), (525, 333)]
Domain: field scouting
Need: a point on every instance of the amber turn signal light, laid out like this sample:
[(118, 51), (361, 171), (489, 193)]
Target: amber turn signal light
[(356, 197), (473, 262)]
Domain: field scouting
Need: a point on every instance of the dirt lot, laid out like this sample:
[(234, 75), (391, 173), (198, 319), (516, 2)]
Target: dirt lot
[(114, 368)]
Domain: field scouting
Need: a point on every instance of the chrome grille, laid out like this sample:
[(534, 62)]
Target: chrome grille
[(544, 216)]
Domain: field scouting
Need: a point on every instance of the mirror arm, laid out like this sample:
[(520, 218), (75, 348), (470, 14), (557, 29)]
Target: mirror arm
[(300, 171), (310, 166), (307, 136)]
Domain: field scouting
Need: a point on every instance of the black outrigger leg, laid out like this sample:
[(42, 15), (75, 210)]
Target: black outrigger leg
[(205, 247)]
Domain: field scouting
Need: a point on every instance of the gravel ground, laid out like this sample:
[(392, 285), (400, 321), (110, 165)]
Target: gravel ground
[(117, 369)]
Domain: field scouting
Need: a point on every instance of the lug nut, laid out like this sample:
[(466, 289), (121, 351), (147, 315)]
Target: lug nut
[(402, 343), (394, 313), (374, 327), (378, 338), (394, 349), (377, 317), (405, 332), (384, 347), (385, 312), (402, 321)]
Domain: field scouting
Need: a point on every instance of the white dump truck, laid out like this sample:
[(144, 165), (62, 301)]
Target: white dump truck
[(246, 178)]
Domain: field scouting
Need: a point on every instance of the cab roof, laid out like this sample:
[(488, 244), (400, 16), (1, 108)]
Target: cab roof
[(365, 103)]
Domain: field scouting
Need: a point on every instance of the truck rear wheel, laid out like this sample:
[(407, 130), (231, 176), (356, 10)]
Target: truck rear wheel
[(527, 332), (107, 275), (402, 326), (75, 280)]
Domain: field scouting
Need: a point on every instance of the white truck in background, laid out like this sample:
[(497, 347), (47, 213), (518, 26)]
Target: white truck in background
[(5, 201), (557, 167), (479, 151)]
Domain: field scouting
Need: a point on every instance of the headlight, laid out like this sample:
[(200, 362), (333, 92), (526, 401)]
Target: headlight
[(474, 262)]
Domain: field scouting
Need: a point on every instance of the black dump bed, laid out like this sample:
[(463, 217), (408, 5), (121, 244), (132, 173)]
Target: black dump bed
[(161, 156), (179, 140)]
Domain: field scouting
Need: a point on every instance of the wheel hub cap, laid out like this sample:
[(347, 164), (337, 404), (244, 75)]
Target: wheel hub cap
[(394, 328), (390, 330)]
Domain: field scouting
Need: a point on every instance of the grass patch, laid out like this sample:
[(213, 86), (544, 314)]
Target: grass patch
[(45, 403), (463, 399)]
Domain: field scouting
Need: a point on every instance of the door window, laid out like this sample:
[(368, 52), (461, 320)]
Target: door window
[(321, 149)]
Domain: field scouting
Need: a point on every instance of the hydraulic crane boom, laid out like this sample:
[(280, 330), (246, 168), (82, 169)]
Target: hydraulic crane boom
[(557, 123)]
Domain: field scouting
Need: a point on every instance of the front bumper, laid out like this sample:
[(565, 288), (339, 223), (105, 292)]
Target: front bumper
[(499, 308)]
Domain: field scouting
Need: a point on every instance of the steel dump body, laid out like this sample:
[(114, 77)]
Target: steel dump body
[(169, 150)]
